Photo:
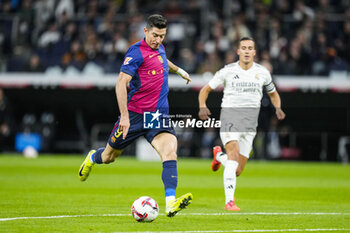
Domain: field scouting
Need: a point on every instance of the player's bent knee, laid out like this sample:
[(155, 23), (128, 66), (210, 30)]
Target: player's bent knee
[(232, 155), (232, 150), (170, 156)]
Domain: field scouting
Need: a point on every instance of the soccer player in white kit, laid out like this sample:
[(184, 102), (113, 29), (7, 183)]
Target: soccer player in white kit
[(243, 83)]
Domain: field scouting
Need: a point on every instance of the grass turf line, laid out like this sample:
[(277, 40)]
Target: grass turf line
[(49, 186)]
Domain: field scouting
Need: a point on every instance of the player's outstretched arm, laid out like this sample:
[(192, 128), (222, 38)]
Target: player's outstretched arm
[(276, 102), (121, 93), (204, 111), (175, 69)]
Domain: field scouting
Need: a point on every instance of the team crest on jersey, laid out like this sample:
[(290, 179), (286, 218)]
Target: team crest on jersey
[(257, 76), (160, 59), (127, 60)]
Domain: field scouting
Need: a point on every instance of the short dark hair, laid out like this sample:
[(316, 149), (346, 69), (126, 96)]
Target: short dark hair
[(246, 38), (157, 21)]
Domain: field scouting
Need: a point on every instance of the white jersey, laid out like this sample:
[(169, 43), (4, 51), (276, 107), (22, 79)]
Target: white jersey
[(242, 88)]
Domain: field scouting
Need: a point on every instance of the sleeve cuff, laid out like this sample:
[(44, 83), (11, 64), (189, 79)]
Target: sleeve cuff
[(127, 72)]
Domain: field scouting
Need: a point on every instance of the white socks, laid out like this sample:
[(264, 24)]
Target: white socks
[(169, 198), (222, 158), (229, 178), (229, 175)]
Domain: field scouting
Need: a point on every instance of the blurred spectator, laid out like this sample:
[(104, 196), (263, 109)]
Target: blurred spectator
[(238, 30), (50, 36), (221, 41), (325, 7), (209, 138), (44, 10), (276, 38), (75, 57), (93, 48), (230, 57), (117, 44), (175, 35), (273, 146), (261, 32), (265, 57), (132, 7), (211, 64), (6, 28), (106, 27), (6, 7), (347, 13), (194, 10), (288, 30), (283, 7), (342, 42), (137, 24), (25, 27), (319, 55), (34, 65), (187, 60), (267, 65), (115, 50), (173, 10), (199, 53), (336, 63), (186, 141), (300, 60), (302, 11), (305, 33), (70, 32), (64, 8), (6, 122), (282, 66)]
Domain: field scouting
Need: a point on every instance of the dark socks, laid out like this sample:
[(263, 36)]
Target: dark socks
[(96, 157), (169, 177)]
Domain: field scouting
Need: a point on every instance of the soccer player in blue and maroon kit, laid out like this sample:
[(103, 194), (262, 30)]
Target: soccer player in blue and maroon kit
[(146, 68)]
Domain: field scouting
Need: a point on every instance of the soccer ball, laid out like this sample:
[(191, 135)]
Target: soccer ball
[(144, 209)]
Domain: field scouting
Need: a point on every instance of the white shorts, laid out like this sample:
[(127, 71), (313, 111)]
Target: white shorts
[(245, 140), (239, 124)]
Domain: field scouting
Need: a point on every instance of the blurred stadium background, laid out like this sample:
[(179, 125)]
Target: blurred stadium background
[(59, 62)]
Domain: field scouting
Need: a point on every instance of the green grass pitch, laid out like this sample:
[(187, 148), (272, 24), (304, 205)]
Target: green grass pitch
[(45, 195)]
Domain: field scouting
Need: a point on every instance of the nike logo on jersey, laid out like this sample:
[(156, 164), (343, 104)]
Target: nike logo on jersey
[(127, 60), (152, 55)]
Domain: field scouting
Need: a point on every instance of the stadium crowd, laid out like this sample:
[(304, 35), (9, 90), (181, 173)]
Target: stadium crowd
[(297, 37)]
